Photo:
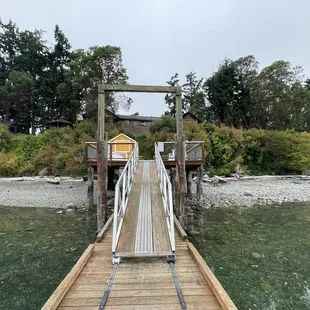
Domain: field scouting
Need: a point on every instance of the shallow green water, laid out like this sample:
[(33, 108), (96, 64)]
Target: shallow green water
[(260, 255), (37, 249)]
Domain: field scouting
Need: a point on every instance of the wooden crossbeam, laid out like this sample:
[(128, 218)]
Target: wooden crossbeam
[(136, 88)]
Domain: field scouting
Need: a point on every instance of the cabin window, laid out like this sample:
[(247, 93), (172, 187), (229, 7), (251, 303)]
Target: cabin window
[(127, 121), (142, 123)]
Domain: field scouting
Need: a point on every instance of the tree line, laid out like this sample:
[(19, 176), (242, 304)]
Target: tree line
[(240, 95), (42, 81)]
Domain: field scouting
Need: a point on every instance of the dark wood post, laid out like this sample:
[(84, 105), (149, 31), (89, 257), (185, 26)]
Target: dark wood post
[(90, 189), (199, 182), (180, 157), (176, 176), (189, 177), (101, 165)]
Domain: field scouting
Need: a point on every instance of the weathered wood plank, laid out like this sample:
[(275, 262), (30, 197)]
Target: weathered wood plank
[(160, 231), (197, 306), (136, 88), (218, 290), (163, 300), (65, 285), (127, 237), (137, 286), (180, 230), (105, 229), (139, 293)]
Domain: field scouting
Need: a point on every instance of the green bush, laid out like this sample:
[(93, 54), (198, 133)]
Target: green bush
[(8, 165), (45, 159), (5, 139), (62, 150), (27, 170), (226, 150)]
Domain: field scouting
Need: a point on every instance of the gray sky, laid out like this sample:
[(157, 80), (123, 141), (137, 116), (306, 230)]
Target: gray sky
[(161, 37)]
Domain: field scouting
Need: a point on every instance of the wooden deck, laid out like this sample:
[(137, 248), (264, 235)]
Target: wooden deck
[(139, 284), (160, 235)]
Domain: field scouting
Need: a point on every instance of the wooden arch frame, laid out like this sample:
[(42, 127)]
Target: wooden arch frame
[(102, 140)]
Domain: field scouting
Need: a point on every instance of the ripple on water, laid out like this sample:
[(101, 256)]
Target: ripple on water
[(260, 255), (38, 247)]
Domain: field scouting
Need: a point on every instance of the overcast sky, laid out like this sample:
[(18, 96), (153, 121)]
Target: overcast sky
[(161, 37)]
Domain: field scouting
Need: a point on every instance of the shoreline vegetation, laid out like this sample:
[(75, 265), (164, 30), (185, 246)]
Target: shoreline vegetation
[(228, 150)]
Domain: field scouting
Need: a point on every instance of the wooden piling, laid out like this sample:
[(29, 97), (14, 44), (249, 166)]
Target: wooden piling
[(180, 158), (90, 189), (199, 182), (182, 180), (189, 178), (101, 165)]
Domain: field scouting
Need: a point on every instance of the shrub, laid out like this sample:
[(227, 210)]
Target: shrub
[(165, 123), (45, 159), (5, 139), (226, 150), (27, 170), (8, 165)]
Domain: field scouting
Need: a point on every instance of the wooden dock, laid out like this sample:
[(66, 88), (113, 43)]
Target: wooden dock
[(139, 284)]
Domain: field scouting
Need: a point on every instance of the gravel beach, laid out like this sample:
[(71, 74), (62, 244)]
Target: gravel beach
[(267, 190), (37, 192)]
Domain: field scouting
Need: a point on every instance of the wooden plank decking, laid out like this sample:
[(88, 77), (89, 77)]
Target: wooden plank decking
[(140, 284)]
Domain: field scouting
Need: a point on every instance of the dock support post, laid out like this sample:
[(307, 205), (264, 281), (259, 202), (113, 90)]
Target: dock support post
[(180, 159), (90, 189), (189, 177), (101, 165), (199, 182)]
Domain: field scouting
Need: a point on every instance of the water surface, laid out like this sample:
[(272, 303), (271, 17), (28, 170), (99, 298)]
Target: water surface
[(38, 247), (260, 255)]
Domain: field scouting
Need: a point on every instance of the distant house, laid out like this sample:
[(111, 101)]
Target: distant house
[(58, 123), (188, 116), (130, 123), (135, 123), (139, 124)]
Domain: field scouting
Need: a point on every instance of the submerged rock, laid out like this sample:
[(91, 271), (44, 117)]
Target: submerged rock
[(71, 206), (248, 193), (256, 255)]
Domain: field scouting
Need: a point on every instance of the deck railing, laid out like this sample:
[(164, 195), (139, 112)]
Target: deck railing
[(166, 191), (91, 152), (122, 190), (194, 151)]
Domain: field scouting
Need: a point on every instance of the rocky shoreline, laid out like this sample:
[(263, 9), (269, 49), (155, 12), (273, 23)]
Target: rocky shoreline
[(43, 192), (247, 191), (255, 191)]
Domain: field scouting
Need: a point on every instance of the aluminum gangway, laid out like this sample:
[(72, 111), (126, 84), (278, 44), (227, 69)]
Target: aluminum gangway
[(143, 224)]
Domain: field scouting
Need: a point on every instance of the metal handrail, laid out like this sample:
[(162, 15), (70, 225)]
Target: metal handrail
[(122, 191), (166, 191)]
